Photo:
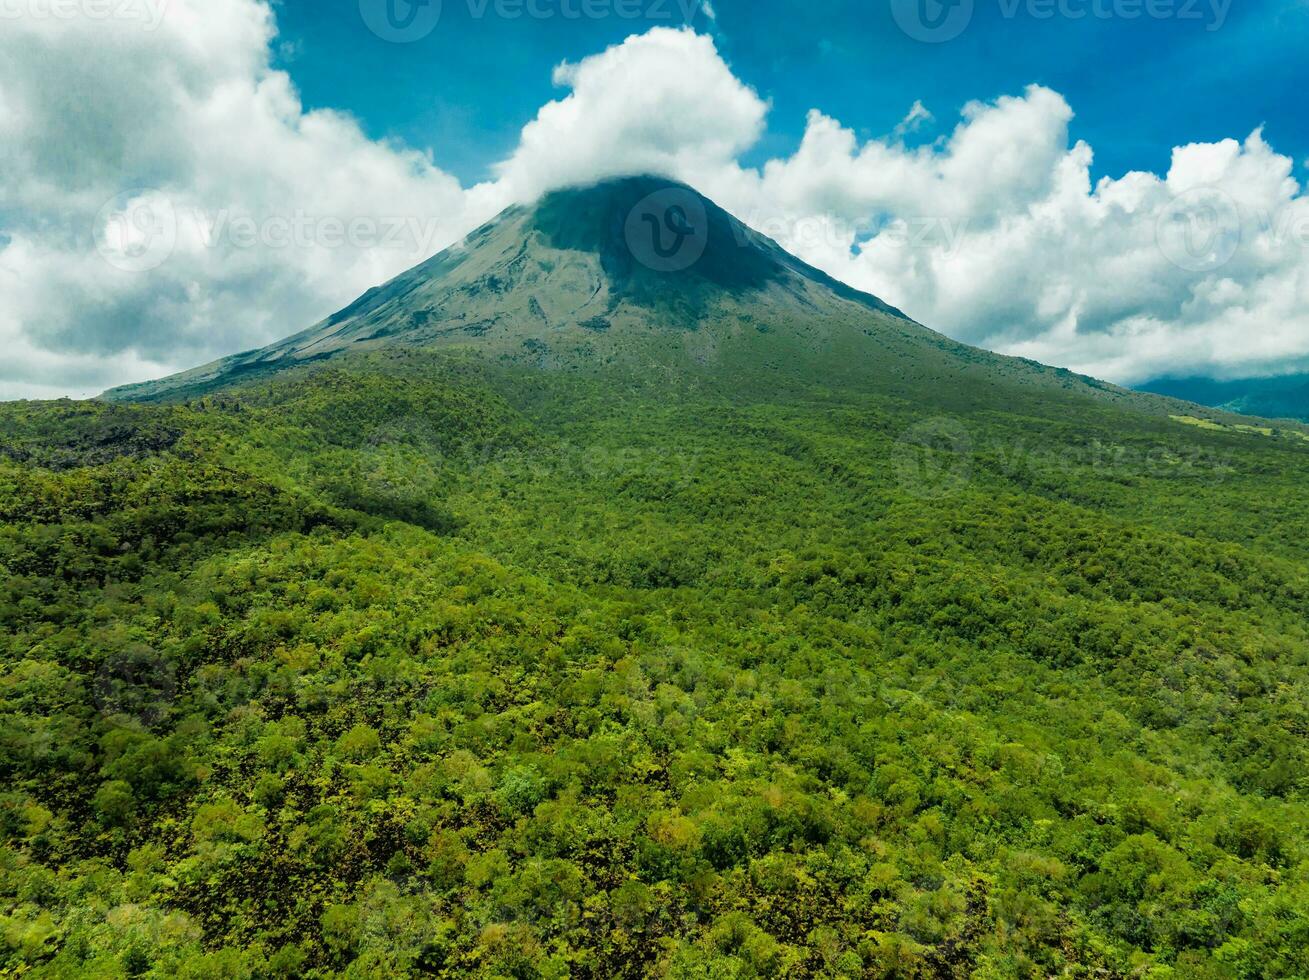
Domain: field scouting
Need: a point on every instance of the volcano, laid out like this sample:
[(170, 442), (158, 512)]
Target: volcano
[(629, 273)]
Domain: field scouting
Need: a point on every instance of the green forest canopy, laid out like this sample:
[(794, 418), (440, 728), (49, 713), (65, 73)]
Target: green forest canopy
[(412, 666)]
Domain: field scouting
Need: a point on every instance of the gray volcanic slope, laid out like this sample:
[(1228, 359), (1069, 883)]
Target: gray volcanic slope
[(572, 282)]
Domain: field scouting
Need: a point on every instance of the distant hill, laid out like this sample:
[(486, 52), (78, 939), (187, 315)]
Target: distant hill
[(1284, 397)]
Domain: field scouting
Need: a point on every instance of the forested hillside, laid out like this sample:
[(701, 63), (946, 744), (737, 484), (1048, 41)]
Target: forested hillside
[(1284, 397), (409, 664)]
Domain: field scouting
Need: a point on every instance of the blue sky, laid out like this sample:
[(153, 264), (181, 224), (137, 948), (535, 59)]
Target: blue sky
[(1139, 85)]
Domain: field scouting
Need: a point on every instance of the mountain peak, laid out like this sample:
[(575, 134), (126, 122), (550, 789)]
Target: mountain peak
[(588, 274), (649, 229)]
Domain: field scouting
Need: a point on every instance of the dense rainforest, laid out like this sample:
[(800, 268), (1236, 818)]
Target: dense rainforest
[(410, 664)]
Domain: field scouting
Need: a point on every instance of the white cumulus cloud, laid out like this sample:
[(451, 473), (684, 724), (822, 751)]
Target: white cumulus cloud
[(997, 236), (662, 102), (166, 197)]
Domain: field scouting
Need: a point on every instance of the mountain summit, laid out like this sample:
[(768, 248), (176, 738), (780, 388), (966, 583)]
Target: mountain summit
[(625, 268)]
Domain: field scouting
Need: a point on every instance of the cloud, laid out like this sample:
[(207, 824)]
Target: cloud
[(172, 200), (662, 102), (915, 119), (998, 237), (186, 131)]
